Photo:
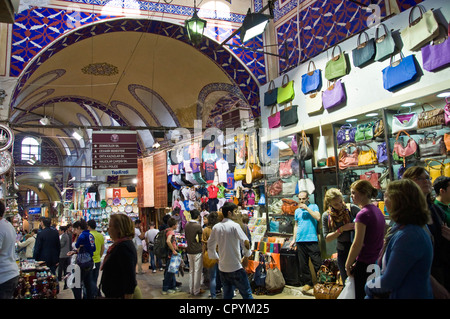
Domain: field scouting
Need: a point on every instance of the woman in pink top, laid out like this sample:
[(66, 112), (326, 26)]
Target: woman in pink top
[(369, 235)]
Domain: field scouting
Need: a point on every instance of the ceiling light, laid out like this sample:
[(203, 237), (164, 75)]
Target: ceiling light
[(351, 120), (444, 94), (408, 104), (253, 25), (45, 175), (195, 27), (371, 114), (77, 134), (44, 121)]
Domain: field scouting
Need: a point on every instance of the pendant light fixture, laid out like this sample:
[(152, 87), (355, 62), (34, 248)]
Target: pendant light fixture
[(254, 24), (195, 27)]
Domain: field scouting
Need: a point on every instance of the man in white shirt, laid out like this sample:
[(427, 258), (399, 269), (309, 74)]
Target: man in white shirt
[(150, 240), (230, 238), (9, 271), (138, 237)]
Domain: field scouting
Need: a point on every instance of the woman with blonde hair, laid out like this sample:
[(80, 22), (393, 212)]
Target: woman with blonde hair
[(369, 232), (407, 252), (119, 265), (337, 224)]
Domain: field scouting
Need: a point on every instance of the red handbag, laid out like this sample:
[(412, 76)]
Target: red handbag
[(276, 188), (348, 159), (372, 177)]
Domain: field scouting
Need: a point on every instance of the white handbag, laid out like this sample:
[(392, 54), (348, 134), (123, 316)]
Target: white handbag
[(404, 122), (313, 103), (322, 154)]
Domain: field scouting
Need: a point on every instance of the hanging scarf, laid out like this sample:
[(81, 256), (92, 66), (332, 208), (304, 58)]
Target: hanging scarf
[(111, 248), (338, 216)]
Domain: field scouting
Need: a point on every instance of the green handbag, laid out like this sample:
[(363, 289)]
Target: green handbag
[(337, 66), (384, 45), (286, 91), (420, 31), (364, 132)]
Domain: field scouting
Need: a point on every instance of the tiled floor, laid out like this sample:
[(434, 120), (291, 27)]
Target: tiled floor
[(151, 284)]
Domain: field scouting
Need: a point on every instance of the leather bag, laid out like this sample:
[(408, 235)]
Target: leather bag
[(404, 122), (289, 115), (286, 226), (436, 55), (384, 44), (364, 52), (434, 116), (289, 206), (334, 95), (312, 80), (286, 92), (274, 279), (419, 31), (399, 73), (364, 132), (270, 96), (276, 188), (346, 134), (378, 129), (207, 262), (435, 170), (432, 145), (337, 66), (402, 152), (347, 159), (382, 154), (274, 118), (372, 177), (368, 157)]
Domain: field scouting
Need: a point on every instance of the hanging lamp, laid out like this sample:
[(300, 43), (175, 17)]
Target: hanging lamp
[(195, 27)]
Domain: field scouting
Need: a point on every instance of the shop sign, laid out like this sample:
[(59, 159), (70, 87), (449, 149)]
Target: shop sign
[(114, 153), (34, 211)]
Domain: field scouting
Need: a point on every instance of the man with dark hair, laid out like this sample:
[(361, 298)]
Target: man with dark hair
[(99, 249), (47, 246), (441, 187), (229, 237), (193, 232), (9, 271)]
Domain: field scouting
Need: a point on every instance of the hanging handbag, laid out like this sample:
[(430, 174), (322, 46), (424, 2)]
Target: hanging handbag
[(364, 132), (419, 31), (286, 168), (334, 95), (322, 154), (346, 134), (305, 151), (382, 155), (289, 115), (368, 157), (274, 118), (399, 73), (372, 177), (286, 226), (431, 145), (305, 184), (436, 55), (270, 96), (289, 186), (434, 170), (378, 129), (289, 206), (447, 111), (276, 188), (274, 225), (313, 103), (447, 141), (347, 159), (240, 172), (337, 66), (404, 122), (364, 52), (286, 92), (384, 44), (312, 80), (433, 117), (403, 153)]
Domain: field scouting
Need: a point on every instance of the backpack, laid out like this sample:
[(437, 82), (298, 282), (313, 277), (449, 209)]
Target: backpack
[(160, 247)]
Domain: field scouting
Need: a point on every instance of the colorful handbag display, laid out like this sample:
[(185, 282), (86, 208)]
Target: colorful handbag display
[(368, 157), (436, 55), (337, 66), (274, 118), (270, 97), (312, 80), (434, 170), (432, 145), (384, 44), (346, 158), (346, 134), (334, 95), (404, 122), (419, 31), (313, 103), (364, 52), (402, 152), (372, 177), (364, 132), (434, 116), (286, 91), (399, 73), (289, 115)]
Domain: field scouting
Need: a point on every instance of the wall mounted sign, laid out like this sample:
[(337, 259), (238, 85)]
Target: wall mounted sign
[(114, 153)]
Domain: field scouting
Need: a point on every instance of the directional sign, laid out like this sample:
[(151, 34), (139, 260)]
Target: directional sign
[(114, 153)]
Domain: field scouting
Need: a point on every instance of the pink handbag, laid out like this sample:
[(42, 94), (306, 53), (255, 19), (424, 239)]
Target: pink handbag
[(447, 111), (286, 169), (274, 118), (348, 159), (405, 151)]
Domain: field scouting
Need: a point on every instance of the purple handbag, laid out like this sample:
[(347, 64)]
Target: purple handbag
[(382, 155), (436, 56), (346, 134), (274, 118), (334, 95)]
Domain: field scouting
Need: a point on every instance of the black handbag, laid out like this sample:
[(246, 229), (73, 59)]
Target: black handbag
[(286, 226), (289, 115), (84, 259), (364, 52), (432, 145), (270, 97)]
